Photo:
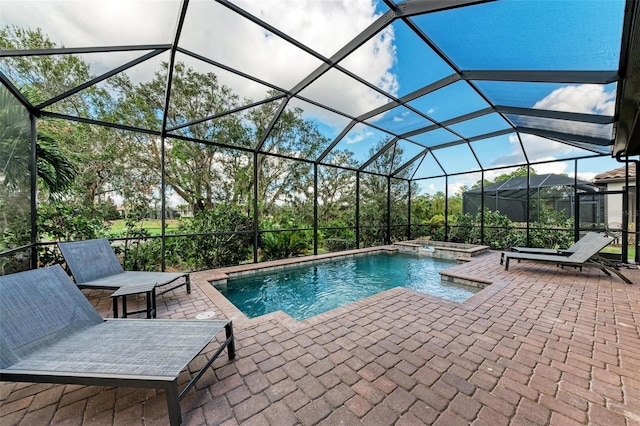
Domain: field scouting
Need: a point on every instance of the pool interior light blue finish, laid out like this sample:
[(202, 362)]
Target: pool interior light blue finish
[(309, 290)]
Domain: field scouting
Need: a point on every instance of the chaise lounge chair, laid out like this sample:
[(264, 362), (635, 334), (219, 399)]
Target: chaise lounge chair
[(94, 265), (50, 333), (586, 254), (590, 236)]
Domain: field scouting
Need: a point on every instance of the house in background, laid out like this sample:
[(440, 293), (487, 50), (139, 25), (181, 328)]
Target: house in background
[(614, 180)]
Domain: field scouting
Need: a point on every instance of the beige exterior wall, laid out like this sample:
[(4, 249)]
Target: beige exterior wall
[(614, 205)]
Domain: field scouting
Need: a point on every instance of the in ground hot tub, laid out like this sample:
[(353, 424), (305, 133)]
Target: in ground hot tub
[(441, 249)]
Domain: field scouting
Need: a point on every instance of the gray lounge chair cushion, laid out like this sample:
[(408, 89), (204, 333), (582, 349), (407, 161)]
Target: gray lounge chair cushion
[(131, 348), (589, 236), (90, 260), (94, 265), (37, 309), (48, 325)]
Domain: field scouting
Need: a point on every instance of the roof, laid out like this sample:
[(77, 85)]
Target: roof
[(535, 182), (616, 175), (438, 87)]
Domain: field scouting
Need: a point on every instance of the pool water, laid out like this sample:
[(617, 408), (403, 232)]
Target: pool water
[(305, 291)]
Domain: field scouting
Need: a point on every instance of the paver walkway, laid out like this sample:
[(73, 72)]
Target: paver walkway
[(540, 346)]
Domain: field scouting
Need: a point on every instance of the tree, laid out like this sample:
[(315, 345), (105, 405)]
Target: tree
[(15, 142), (50, 75), (54, 168), (373, 192), (285, 182), (426, 206), (204, 175), (337, 190), (71, 156), (199, 173), (520, 171)]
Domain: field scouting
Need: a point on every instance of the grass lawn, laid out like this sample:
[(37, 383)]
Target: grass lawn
[(153, 226), (631, 253)]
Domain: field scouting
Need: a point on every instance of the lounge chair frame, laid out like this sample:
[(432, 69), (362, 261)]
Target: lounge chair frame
[(587, 254), (589, 236), (75, 345)]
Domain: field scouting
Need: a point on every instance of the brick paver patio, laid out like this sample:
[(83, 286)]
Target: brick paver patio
[(539, 346)]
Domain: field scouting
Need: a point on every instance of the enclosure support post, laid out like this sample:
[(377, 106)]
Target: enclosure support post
[(409, 212), (34, 183), (572, 207), (163, 202), (636, 220), (528, 205), (315, 208), (446, 208), (388, 236), (625, 214), (481, 208), (255, 207), (576, 202), (538, 192), (165, 119), (357, 209)]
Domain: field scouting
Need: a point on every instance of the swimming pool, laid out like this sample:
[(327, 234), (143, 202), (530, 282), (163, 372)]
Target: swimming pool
[(305, 291)]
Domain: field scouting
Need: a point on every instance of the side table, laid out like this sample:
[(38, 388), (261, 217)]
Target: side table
[(149, 288)]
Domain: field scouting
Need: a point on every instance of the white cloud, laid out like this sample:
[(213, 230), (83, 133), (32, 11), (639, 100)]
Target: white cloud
[(359, 136), (454, 188), (216, 32), (492, 174), (76, 23), (400, 118), (585, 98), (541, 149), (557, 167), (588, 176)]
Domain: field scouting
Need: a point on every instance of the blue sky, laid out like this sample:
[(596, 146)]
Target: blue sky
[(506, 34)]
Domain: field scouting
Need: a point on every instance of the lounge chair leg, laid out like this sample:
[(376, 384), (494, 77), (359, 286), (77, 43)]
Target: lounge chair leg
[(154, 305), (622, 277), (173, 404), (502, 258), (231, 347), (188, 284), (148, 305), (606, 265), (506, 264)]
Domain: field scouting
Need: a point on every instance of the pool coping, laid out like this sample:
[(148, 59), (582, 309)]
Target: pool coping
[(457, 249), (219, 276)]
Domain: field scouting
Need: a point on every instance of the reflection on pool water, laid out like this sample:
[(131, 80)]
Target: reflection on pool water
[(309, 290)]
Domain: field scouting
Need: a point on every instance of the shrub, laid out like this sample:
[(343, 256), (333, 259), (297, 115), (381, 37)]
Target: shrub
[(497, 230), (283, 244), (461, 228), (59, 221), (215, 248), (339, 244), (554, 230), (339, 239)]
